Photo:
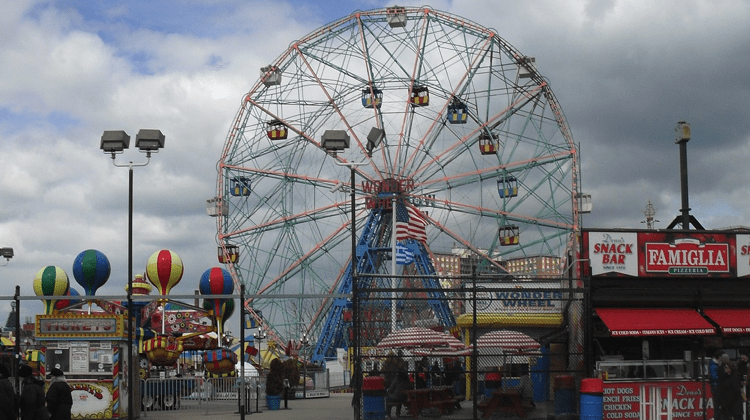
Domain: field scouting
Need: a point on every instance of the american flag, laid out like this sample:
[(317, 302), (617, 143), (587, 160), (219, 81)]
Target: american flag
[(404, 255), (410, 223)]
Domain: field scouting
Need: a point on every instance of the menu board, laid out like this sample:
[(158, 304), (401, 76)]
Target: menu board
[(623, 400)]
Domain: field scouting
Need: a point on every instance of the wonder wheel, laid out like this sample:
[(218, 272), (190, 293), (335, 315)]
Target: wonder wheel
[(446, 117)]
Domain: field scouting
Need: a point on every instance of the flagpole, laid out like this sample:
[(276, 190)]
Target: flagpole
[(393, 263)]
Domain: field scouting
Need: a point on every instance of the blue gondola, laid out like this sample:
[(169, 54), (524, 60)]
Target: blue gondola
[(372, 97), (458, 112), (240, 186), (507, 186)]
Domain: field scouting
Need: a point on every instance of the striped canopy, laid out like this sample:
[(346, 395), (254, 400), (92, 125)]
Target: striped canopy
[(508, 341), (418, 337)]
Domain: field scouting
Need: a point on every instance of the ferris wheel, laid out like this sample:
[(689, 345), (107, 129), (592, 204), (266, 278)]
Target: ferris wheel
[(436, 111)]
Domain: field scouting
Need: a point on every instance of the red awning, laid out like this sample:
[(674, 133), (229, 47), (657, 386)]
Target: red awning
[(730, 320), (654, 321)]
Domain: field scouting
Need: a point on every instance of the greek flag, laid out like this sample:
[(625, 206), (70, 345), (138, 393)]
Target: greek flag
[(404, 255)]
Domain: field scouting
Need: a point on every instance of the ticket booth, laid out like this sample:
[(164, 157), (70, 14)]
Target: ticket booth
[(91, 349)]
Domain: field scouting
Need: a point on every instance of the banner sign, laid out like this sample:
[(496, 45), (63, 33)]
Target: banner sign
[(529, 298), (666, 254)]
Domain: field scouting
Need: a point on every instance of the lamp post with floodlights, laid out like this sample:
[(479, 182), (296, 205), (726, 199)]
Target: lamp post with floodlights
[(115, 142), (335, 141)]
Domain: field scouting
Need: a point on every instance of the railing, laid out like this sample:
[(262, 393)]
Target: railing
[(180, 393)]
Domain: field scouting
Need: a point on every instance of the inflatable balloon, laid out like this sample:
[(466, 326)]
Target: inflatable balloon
[(91, 270), (227, 309), (51, 281), (140, 285), (216, 281), (164, 270), (64, 303)]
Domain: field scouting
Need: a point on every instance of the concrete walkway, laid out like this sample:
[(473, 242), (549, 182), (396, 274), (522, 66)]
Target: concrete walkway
[(336, 407)]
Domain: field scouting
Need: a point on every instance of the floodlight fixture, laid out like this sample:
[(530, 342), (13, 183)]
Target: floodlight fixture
[(115, 141), (148, 141)]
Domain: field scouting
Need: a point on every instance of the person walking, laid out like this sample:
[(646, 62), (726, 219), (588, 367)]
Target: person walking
[(8, 409), (729, 393), (32, 403), (59, 398), (396, 393), (714, 372)]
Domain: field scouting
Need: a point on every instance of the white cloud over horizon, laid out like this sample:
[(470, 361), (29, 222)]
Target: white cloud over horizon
[(625, 72)]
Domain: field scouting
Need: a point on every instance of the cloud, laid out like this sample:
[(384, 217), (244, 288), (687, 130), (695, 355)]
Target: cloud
[(625, 72)]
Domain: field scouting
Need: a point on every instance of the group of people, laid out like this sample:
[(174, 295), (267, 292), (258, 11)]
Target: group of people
[(398, 380), (728, 384), (33, 403)]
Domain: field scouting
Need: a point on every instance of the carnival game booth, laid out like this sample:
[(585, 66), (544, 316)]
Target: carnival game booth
[(85, 338), (662, 302), (91, 349)]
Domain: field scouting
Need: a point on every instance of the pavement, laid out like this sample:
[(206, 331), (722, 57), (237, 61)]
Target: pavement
[(335, 407)]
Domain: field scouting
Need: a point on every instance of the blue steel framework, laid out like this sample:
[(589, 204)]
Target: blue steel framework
[(372, 247)]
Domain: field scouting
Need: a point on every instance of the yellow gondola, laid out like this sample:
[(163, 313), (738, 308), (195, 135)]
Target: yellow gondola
[(509, 235), (232, 255), (276, 130), (420, 96), (487, 144)]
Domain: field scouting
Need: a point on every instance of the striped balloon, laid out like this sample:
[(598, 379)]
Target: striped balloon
[(51, 281), (227, 308), (164, 270), (216, 281), (91, 270)]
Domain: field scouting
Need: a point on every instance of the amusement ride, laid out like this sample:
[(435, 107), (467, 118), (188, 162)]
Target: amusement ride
[(452, 134)]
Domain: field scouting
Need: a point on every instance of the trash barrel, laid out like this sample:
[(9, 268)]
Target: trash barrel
[(592, 390), (564, 387), (373, 398), (492, 381)]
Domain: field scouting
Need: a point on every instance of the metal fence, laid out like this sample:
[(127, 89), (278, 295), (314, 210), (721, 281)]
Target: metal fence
[(206, 394), (520, 353), (518, 349)]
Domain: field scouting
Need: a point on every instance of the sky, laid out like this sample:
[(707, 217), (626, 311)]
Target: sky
[(624, 72)]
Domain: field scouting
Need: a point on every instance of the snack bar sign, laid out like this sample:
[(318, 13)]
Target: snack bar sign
[(686, 256)]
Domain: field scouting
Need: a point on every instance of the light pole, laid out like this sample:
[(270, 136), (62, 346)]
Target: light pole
[(355, 288), (114, 142), (243, 386), (304, 341), (259, 337), (16, 305), (334, 141)]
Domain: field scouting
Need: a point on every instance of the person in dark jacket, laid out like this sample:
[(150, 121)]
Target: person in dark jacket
[(31, 402), (8, 409), (729, 393), (396, 394), (59, 398)]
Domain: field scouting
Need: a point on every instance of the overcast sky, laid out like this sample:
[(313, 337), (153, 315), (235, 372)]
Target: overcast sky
[(624, 72)]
